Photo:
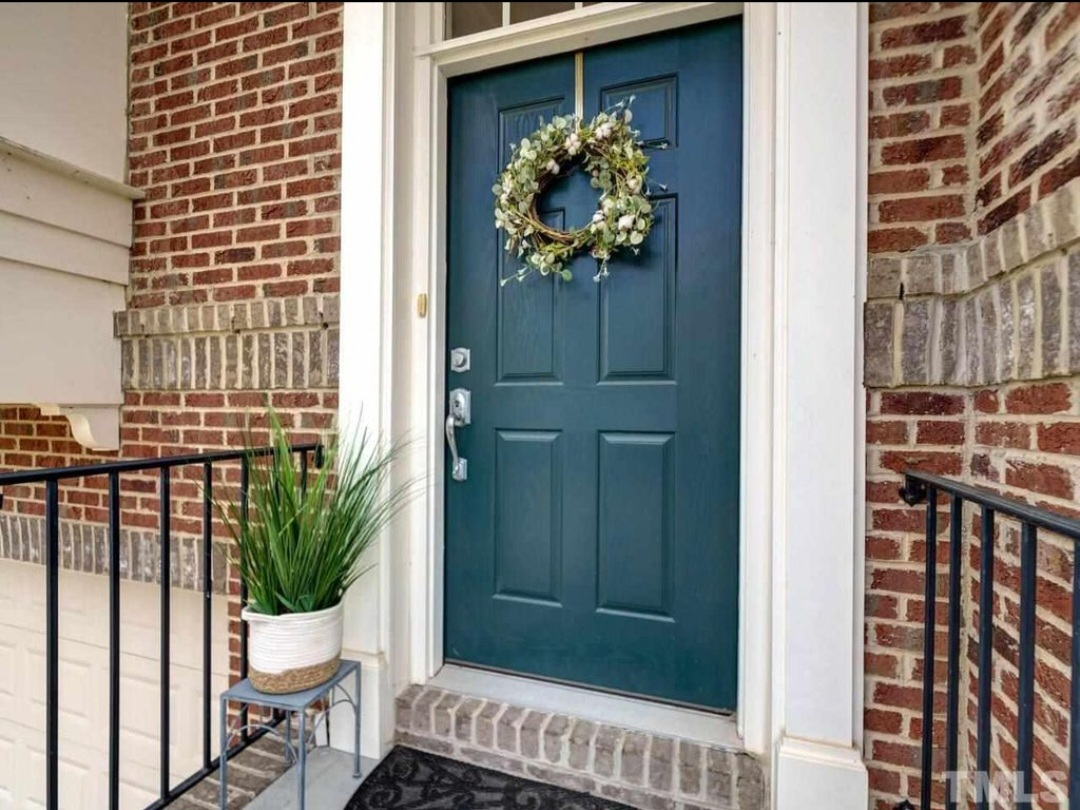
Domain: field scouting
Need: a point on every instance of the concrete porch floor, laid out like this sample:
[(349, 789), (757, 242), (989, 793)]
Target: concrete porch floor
[(330, 783), (260, 780)]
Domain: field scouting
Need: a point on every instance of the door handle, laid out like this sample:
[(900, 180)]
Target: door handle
[(459, 467)]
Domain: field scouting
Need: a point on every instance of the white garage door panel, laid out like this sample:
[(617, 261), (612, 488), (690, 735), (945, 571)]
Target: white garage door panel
[(84, 688)]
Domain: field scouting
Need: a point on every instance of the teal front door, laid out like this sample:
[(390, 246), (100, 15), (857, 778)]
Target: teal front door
[(595, 538)]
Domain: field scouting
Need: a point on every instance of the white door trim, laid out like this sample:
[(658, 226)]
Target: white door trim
[(548, 36), (398, 620)]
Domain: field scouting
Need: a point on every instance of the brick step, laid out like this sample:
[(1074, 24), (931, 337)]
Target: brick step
[(648, 771)]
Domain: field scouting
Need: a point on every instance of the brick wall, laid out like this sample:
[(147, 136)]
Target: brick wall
[(921, 113), (973, 351), (235, 139)]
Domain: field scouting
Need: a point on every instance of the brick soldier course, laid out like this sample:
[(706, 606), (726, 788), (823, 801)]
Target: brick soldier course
[(649, 771)]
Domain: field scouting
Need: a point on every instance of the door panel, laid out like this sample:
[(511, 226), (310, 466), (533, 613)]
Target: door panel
[(596, 539)]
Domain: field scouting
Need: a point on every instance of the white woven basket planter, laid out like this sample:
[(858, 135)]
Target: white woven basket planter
[(293, 652)]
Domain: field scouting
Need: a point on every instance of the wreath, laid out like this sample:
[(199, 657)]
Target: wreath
[(610, 151)]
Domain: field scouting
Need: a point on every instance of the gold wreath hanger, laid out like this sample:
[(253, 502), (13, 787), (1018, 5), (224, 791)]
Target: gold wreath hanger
[(579, 84)]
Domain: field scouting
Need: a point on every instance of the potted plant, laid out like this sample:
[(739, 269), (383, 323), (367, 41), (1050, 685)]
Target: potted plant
[(299, 548)]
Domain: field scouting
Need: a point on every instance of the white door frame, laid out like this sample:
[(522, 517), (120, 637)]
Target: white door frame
[(800, 577)]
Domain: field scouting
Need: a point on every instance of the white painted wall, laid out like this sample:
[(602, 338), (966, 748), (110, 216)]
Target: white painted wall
[(65, 86), (819, 257), (60, 329)]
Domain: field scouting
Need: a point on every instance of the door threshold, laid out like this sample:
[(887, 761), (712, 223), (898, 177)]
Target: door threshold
[(614, 710)]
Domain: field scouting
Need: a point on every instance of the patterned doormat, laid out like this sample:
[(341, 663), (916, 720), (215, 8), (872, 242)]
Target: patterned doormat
[(416, 780)]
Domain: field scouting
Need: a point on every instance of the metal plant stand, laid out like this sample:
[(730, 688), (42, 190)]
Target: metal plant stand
[(296, 703)]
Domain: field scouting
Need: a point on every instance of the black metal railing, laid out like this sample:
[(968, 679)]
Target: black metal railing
[(51, 478), (920, 488)]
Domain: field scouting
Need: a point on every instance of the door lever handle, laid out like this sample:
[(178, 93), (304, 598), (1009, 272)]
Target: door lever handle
[(459, 467)]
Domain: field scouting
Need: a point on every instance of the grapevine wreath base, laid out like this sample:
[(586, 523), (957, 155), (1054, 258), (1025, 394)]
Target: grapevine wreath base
[(606, 147)]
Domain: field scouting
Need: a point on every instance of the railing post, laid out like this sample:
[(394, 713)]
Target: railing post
[(1074, 691), (1026, 688), (303, 472), (245, 483), (52, 643), (114, 641), (952, 709), (208, 599), (986, 652), (929, 632), (166, 583)]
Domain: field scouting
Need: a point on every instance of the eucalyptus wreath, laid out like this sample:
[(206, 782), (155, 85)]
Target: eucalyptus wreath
[(606, 147)]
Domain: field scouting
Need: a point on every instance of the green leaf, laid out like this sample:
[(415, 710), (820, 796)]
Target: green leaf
[(298, 547)]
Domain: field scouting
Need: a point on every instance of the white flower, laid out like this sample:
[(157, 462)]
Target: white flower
[(608, 203), (552, 166), (626, 222), (628, 116), (598, 216), (634, 183)]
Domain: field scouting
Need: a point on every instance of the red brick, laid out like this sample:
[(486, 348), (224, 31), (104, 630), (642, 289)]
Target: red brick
[(285, 289), (956, 115), (923, 33), (881, 12), (921, 209), (902, 697), (996, 25), (924, 150), (1009, 209), (992, 65), (941, 433), (938, 463), (898, 125), (923, 92), (956, 55), (1016, 69), (1059, 175), (1039, 399), (1045, 479), (906, 65), (1061, 437), (882, 240), (239, 292), (886, 432), (1034, 13), (1069, 12), (989, 191), (307, 267), (285, 13), (899, 182), (236, 29), (258, 272), (983, 467), (948, 233), (986, 401), (1016, 435), (921, 403)]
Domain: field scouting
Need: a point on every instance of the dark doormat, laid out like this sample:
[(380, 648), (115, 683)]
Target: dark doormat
[(416, 780)]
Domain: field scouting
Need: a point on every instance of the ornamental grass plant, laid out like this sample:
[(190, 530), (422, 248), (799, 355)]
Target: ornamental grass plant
[(300, 545)]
